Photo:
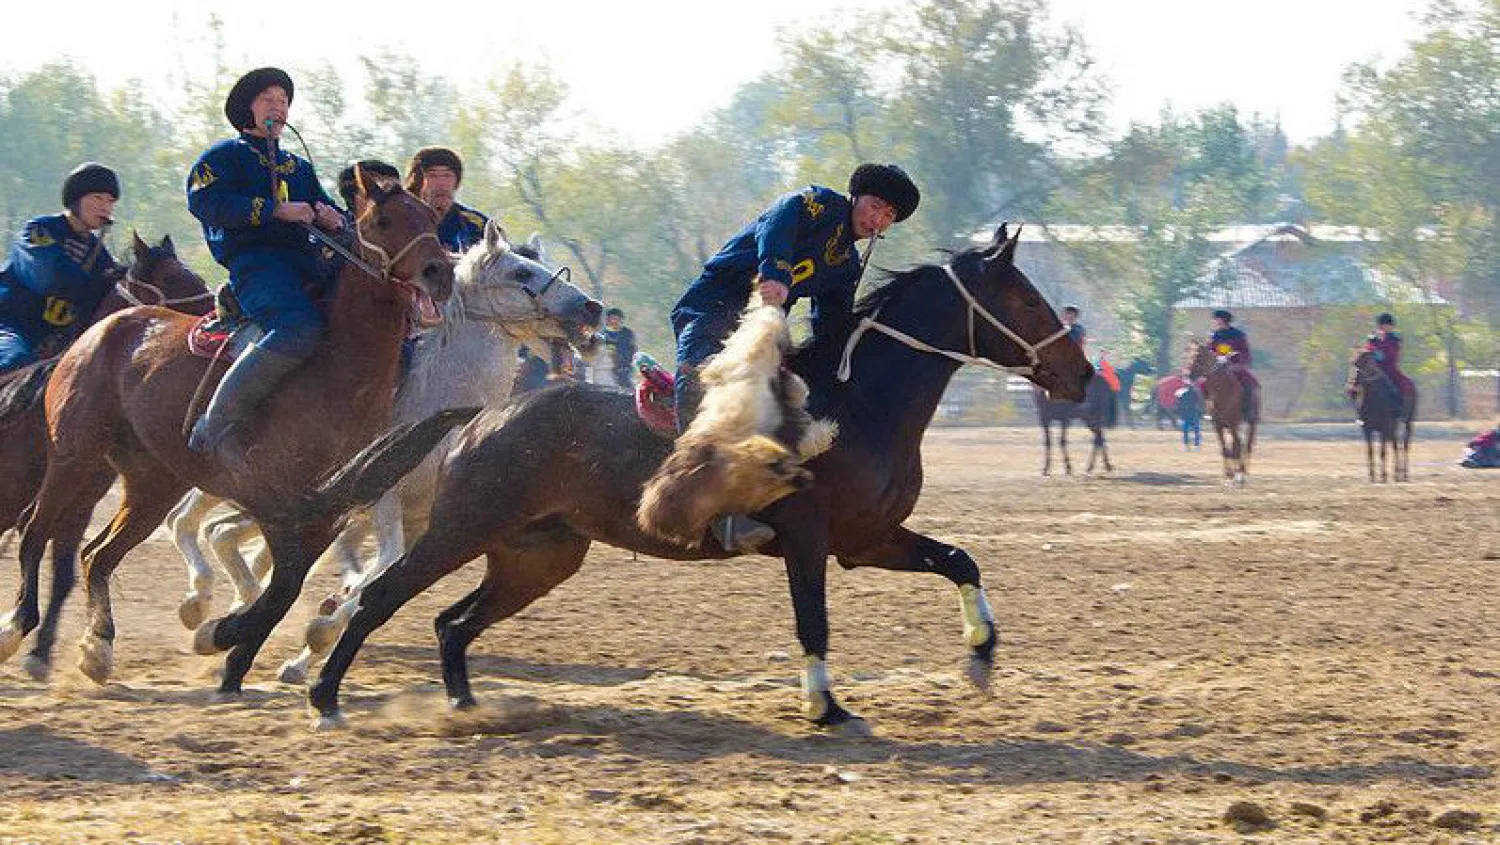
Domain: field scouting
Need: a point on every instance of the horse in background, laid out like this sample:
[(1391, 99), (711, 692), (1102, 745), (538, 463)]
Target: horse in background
[(1383, 412), (1097, 411), (1137, 367), (155, 277), (1226, 401), (120, 395)]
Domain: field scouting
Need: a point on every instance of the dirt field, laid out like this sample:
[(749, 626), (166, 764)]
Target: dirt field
[(1317, 653)]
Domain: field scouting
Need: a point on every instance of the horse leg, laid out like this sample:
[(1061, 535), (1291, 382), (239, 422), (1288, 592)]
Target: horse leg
[(1047, 443), (65, 541), (436, 554), (1102, 447), (227, 538), (1223, 450), (513, 581), (907, 551), (1062, 445), (294, 549), (1370, 452), (67, 497), (185, 520), (151, 491)]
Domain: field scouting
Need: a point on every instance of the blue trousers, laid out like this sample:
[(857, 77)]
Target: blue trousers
[(279, 290), (15, 350)]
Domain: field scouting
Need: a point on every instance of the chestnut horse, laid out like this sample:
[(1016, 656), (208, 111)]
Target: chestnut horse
[(118, 402), (1224, 398), (155, 277), (533, 483), (1384, 412)]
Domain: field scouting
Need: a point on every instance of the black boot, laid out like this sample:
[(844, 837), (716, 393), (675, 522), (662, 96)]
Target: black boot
[(687, 395), (249, 380)]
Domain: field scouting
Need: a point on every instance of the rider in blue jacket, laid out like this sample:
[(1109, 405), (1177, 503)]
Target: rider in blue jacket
[(254, 200), (801, 247), (59, 270), (434, 175)]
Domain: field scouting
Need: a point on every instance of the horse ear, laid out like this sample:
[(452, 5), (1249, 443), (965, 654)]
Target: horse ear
[(535, 242), (1007, 251), (139, 246), (168, 247)]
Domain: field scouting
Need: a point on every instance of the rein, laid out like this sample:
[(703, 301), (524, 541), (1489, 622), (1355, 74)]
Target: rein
[(123, 286), (972, 357)]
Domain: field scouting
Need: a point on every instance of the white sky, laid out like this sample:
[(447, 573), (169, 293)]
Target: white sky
[(649, 68)]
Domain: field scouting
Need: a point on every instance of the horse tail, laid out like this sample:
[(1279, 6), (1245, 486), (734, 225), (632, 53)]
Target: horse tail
[(379, 466), (22, 389)]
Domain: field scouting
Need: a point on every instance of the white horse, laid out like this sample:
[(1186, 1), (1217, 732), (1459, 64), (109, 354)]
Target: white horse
[(501, 299)]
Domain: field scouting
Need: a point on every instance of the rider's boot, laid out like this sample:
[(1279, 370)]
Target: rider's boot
[(734, 532), (249, 380)]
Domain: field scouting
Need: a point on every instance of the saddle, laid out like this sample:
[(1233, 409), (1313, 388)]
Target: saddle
[(224, 332)]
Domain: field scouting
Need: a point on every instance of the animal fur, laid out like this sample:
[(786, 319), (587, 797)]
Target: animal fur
[(745, 447)]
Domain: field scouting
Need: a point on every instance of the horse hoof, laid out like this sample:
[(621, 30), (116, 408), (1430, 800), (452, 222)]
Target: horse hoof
[(228, 696), (203, 637), (10, 641), (328, 722), (37, 668), (463, 702), (193, 610), (98, 659), (293, 673), (978, 672), (851, 727), (322, 633)]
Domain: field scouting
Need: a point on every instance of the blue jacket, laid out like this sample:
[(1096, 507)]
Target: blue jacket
[(54, 280), (805, 241), (229, 191), (461, 228)]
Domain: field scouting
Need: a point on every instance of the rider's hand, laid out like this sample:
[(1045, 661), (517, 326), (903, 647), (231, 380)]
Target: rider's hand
[(773, 292), (294, 212), (328, 217)]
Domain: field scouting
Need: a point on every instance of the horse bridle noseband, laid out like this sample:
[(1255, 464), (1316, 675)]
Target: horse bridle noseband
[(122, 288), (972, 357)]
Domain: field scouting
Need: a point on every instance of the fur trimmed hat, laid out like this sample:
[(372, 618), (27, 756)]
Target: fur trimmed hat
[(371, 167), (249, 86), (888, 182), (89, 178), (433, 157)]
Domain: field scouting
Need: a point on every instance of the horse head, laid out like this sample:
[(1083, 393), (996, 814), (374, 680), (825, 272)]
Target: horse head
[(399, 232), (1011, 324), (499, 283), (1202, 360), (158, 277)]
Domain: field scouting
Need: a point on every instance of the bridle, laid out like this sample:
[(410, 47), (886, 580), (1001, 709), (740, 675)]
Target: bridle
[(1032, 350), (387, 261), (539, 312), (123, 286)]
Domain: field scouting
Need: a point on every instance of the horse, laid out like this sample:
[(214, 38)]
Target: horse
[(1383, 411), (120, 397), (502, 298), (1097, 411), (1225, 400), (155, 277), (1137, 367), (532, 484)]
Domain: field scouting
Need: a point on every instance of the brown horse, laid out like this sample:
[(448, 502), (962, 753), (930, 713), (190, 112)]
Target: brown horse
[(1224, 397), (156, 277), (1383, 411), (120, 395), (532, 484)]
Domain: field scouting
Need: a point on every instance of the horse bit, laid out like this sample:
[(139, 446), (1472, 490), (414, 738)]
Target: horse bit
[(1031, 350)]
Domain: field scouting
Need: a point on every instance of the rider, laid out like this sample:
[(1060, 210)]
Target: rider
[(254, 201), (619, 347), (802, 246), (434, 175), (59, 270), (1233, 347), (1076, 332), (1385, 348)]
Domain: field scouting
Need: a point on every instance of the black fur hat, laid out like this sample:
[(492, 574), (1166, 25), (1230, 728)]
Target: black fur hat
[(371, 167), (1222, 314), (888, 182), (89, 178), (433, 157), (1385, 320), (244, 92)]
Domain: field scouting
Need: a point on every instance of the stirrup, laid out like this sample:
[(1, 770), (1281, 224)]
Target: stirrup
[(739, 533)]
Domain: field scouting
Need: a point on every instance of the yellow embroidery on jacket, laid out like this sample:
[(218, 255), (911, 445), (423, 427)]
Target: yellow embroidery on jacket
[(203, 177), (58, 311), (803, 271), (38, 236), (832, 258), (810, 199), (256, 206)]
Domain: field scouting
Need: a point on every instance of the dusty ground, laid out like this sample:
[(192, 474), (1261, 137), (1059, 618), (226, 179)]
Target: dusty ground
[(1324, 651)]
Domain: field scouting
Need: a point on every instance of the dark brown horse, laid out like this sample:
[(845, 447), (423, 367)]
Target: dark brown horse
[(119, 397), (534, 483), (1097, 411), (156, 277), (1383, 412), (1225, 399)]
